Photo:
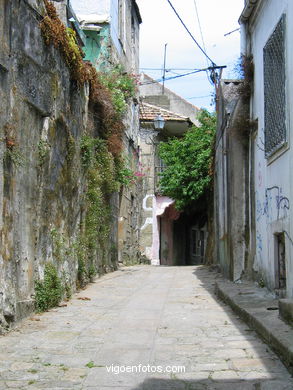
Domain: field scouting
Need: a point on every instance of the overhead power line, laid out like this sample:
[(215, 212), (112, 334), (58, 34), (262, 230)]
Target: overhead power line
[(169, 69), (192, 37), (210, 68), (199, 25), (201, 34)]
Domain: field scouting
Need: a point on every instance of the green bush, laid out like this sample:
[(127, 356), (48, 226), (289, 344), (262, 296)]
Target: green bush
[(48, 291), (188, 160)]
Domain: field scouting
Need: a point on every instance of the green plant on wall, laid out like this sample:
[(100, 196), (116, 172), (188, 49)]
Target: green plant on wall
[(15, 156), (103, 167), (101, 170), (58, 243), (122, 86), (43, 151), (188, 162), (49, 291), (109, 91)]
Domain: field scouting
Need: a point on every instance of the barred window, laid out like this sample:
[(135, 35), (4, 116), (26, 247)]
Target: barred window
[(275, 89)]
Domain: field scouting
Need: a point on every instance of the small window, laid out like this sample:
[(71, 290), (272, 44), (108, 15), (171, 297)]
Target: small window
[(275, 89)]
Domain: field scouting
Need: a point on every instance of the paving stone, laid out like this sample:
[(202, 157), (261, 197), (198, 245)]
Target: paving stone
[(157, 316)]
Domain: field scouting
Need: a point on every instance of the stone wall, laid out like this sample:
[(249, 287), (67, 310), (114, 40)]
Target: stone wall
[(42, 181)]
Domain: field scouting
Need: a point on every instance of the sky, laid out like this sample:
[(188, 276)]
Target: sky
[(160, 26)]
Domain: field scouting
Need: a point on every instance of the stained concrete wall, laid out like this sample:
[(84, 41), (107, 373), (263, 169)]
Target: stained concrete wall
[(42, 184), (231, 181), (272, 176), (151, 92)]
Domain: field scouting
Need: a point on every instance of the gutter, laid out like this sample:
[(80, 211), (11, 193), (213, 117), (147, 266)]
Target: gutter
[(248, 9)]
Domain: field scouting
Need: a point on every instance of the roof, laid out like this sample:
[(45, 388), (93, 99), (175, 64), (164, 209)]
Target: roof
[(148, 112)]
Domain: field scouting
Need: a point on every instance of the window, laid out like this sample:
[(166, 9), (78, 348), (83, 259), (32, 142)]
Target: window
[(275, 89)]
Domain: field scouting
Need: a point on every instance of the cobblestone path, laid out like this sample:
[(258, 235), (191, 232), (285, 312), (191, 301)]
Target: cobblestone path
[(141, 319)]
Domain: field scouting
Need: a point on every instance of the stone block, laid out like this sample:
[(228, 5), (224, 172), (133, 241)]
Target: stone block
[(286, 310), (24, 308)]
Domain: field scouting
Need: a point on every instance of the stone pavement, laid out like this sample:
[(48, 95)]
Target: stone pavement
[(143, 316), (260, 310)]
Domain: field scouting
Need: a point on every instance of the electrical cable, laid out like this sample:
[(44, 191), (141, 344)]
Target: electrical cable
[(201, 34), (200, 29), (175, 77), (192, 37), (169, 69)]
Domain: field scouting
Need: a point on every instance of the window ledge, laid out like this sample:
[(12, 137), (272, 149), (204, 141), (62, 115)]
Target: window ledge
[(278, 153)]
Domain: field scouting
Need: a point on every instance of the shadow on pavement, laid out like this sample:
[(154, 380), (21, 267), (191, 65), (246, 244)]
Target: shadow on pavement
[(173, 384)]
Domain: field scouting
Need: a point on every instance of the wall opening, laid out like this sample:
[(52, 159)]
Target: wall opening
[(280, 264)]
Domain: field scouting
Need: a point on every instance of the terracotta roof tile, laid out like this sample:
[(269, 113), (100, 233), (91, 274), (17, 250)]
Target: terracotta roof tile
[(148, 112)]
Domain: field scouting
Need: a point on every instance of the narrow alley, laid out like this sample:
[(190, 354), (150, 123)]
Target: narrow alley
[(143, 319)]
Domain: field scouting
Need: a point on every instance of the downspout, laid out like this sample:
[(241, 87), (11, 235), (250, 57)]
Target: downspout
[(243, 21), (245, 50)]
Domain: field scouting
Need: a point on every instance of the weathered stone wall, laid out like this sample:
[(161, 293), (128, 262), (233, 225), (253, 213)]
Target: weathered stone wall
[(42, 182), (104, 49), (231, 181)]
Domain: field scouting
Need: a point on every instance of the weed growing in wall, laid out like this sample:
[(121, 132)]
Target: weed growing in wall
[(12, 152), (15, 156), (43, 151), (101, 173), (101, 159), (48, 291), (109, 92), (122, 87), (55, 32)]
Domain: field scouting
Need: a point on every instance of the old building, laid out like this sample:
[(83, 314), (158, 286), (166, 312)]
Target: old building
[(158, 214), (254, 180), (167, 237), (153, 92), (111, 29)]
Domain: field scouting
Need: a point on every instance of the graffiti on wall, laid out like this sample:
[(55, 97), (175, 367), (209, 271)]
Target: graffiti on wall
[(259, 175), (274, 205), (259, 244), (147, 206)]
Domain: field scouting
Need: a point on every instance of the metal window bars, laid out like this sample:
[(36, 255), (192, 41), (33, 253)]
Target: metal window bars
[(275, 89)]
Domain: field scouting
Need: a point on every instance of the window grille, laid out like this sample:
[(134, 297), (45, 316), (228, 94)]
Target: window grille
[(275, 89)]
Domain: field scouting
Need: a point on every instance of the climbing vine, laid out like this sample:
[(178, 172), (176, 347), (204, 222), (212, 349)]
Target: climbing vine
[(105, 174), (188, 160)]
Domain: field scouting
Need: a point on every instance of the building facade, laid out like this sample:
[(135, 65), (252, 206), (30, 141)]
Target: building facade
[(264, 213), (167, 237)]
